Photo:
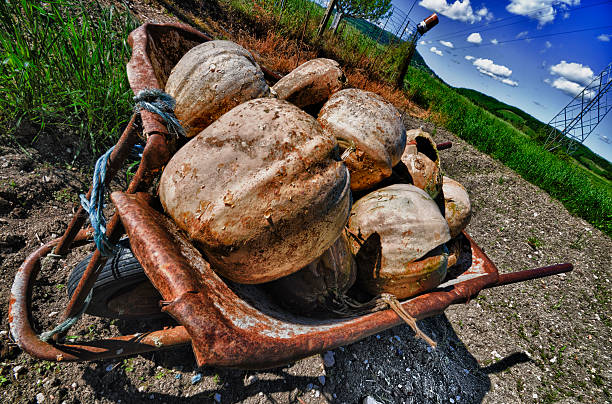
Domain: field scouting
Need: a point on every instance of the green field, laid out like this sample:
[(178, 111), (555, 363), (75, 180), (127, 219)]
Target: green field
[(591, 162), (582, 192)]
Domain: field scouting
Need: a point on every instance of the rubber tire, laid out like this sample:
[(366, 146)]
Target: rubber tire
[(120, 274)]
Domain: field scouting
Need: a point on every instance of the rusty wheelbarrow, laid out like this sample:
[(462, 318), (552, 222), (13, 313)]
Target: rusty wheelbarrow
[(227, 324)]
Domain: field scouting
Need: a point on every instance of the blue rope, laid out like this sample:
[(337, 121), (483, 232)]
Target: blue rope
[(69, 322), (161, 103), (95, 205)]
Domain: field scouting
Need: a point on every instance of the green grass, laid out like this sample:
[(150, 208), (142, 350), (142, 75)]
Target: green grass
[(557, 176), (62, 66)]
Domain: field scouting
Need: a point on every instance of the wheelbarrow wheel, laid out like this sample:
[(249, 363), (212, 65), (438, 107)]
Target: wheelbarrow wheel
[(122, 289)]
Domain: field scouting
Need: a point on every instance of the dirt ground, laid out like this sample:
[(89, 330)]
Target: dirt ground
[(543, 341)]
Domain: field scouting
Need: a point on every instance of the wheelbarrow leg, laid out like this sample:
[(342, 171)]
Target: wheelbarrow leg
[(155, 156)]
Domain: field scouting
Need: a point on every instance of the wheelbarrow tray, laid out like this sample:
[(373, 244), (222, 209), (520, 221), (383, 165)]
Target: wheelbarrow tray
[(239, 325), (227, 324)]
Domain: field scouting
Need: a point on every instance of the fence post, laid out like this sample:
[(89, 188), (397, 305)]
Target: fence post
[(403, 69), (325, 20)]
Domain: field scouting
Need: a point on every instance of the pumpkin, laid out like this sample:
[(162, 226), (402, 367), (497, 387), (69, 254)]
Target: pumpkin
[(457, 207), (310, 83), (261, 191), (211, 79), (397, 237), (420, 163), (321, 285), (375, 128)]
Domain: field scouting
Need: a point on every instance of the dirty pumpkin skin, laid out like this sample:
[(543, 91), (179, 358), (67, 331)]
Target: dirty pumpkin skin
[(310, 83), (457, 206), (420, 163), (312, 289), (373, 125), (397, 234), (260, 191), (211, 79)]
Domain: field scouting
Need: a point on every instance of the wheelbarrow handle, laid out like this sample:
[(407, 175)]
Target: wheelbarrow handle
[(444, 145), (514, 277)]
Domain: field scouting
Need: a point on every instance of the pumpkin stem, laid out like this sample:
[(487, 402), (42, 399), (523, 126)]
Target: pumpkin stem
[(395, 305)]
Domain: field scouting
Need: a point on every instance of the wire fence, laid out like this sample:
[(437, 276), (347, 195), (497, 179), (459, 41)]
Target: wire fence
[(376, 45)]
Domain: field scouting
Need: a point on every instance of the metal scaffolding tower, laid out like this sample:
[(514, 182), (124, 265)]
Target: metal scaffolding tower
[(574, 123)]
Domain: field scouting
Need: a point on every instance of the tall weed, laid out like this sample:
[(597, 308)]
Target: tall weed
[(62, 64)]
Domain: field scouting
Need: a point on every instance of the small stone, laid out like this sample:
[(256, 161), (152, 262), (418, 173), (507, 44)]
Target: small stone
[(3, 333), (250, 380), (17, 369), (109, 367), (535, 396), (40, 398), (196, 378), (370, 400), (377, 336), (73, 385), (334, 395), (151, 397), (452, 400), (328, 359), (177, 376), (322, 380), (553, 360), (141, 389), (365, 362), (317, 394), (309, 386), (218, 397)]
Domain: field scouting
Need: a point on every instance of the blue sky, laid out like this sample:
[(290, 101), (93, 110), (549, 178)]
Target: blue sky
[(540, 75)]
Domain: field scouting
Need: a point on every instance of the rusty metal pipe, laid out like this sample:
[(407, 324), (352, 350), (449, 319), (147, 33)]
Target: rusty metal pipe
[(154, 156), (122, 150), (444, 145), (520, 276), (27, 339)]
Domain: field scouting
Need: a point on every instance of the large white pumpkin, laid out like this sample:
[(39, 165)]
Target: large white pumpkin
[(310, 83), (211, 79), (260, 190), (373, 125), (397, 236)]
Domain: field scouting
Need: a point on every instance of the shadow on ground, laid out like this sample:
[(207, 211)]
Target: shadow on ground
[(392, 367)]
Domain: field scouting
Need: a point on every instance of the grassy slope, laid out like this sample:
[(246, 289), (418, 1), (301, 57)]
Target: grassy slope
[(494, 136), (536, 129)]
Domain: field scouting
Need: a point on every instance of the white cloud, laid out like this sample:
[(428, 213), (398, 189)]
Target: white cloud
[(605, 139), (510, 82), (448, 44), (459, 10), (497, 72), (487, 66), (494, 41), (468, 57), (521, 34), (436, 51), (570, 88), (474, 38), (575, 72), (422, 43), (548, 45), (542, 10), (604, 38)]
